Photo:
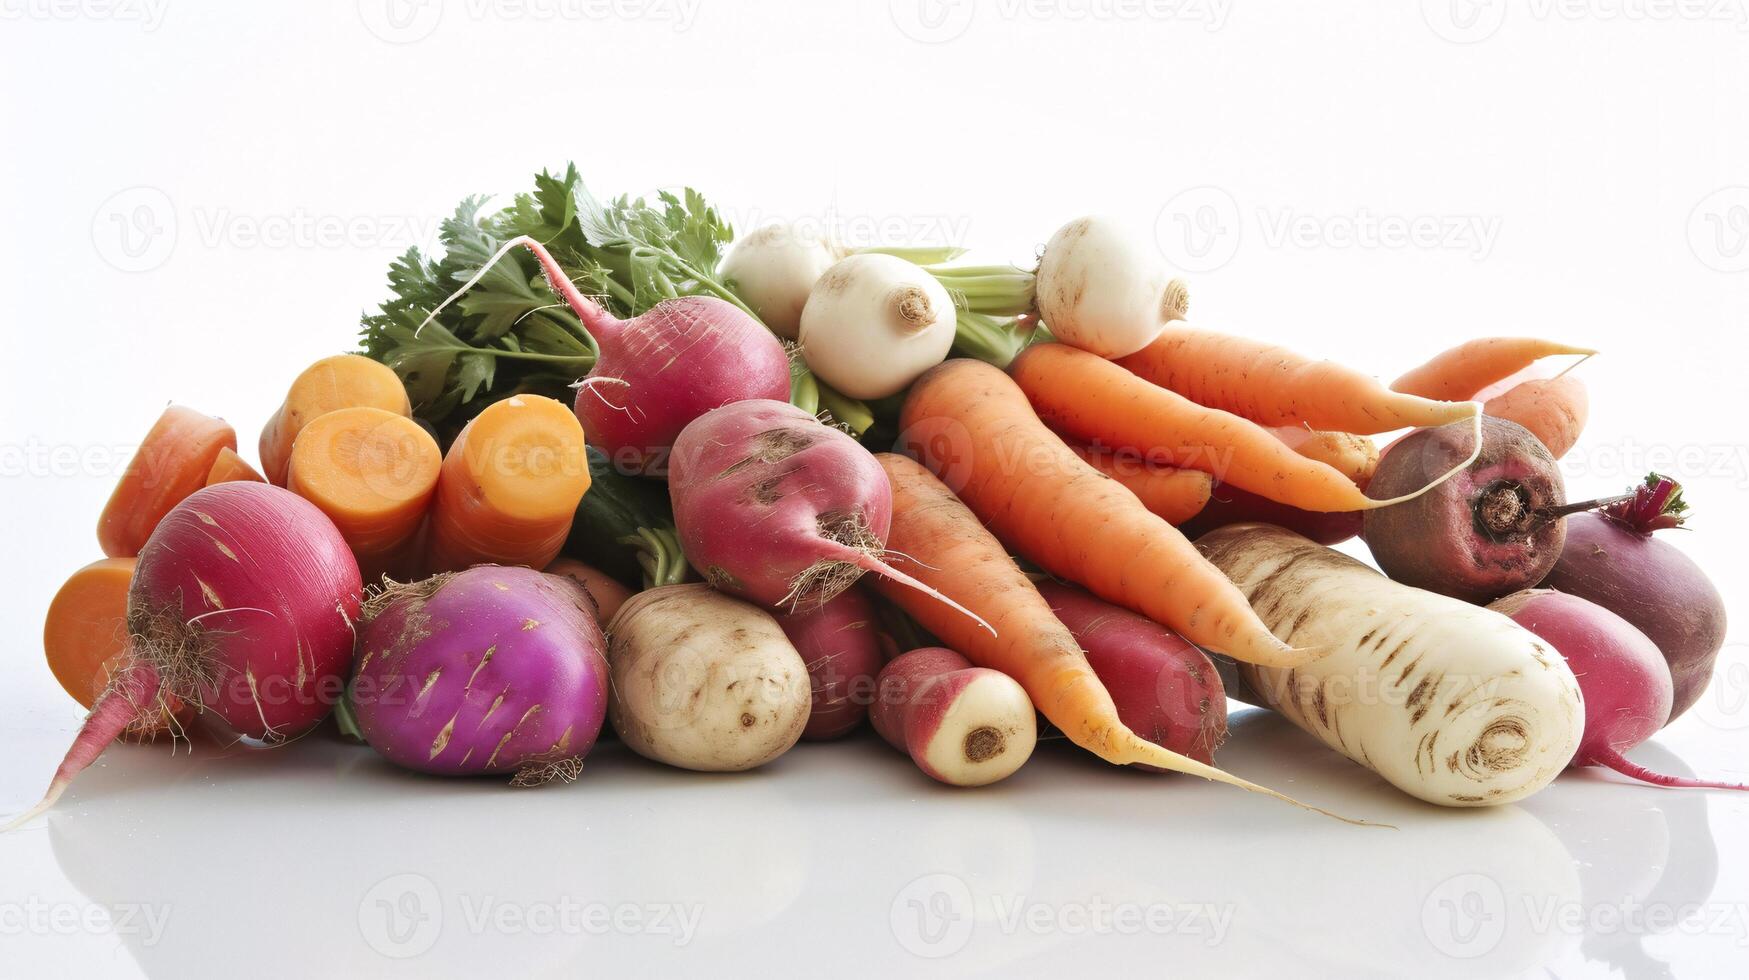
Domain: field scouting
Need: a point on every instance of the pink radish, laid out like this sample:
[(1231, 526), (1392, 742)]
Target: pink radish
[(840, 643), (779, 509), (962, 725), (1623, 677), (243, 605), (659, 370)]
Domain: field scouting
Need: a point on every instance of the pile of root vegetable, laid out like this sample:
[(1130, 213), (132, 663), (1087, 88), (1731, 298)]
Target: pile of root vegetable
[(605, 464)]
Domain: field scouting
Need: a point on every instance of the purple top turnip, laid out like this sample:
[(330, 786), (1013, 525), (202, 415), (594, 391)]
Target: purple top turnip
[(1492, 529), (1613, 559), (490, 670)]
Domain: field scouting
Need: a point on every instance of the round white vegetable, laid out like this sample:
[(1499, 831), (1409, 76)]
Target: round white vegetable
[(1103, 290), (875, 322), (704, 681), (773, 269)]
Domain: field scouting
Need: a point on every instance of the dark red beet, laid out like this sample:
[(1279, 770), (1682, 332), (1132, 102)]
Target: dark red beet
[(1613, 559), (1231, 505), (1492, 529)]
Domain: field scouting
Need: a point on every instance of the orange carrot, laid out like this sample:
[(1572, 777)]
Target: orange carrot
[(1554, 410), (373, 473), (1355, 457), (509, 486), (1174, 495), (85, 635), (172, 463), (971, 425), (1462, 372), (1275, 386), (604, 590), (937, 539), (342, 381), (1096, 401), (229, 467)]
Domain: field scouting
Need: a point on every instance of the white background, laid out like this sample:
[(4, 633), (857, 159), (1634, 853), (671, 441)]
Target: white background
[(200, 198)]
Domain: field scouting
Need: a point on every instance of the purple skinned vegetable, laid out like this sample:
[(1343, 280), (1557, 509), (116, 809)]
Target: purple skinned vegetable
[(487, 671)]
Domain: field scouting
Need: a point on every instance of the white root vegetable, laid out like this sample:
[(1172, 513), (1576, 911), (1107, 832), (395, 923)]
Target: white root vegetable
[(1103, 290), (704, 681), (1451, 703), (873, 323), (773, 270)]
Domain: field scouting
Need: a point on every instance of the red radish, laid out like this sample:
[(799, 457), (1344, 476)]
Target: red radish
[(840, 643), (1231, 505), (963, 725), (491, 670), (1622, 676), (779, 509), (659, 370), (242, 605), (1613, 559), (1165, 688), (1492, 529)]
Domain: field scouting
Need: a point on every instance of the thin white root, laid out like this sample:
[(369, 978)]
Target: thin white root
[(1475, 454)]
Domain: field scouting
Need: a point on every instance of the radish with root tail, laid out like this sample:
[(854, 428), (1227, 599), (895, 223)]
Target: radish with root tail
[(962, 725), (840, 643), (1098, 287), (873, 323), (1165, 688), (657, 371), (1615, 559), (487, 671), (242, 606), (779, 509), (1449, 702), (1495, 527), (703, 681), (1621, 673)]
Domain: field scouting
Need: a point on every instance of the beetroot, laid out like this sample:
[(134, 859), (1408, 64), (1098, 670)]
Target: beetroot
[(1231, 505), (659, 370), (1612, 559), (242, 605), (1165, 688), (490, 670), (1492, 529), (840, 643), (1621, 675), (777, 508)]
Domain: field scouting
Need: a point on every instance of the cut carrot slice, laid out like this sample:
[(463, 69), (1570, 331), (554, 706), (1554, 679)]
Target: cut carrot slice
[(172, 463), (509, 486), (229, 467), (373, 473), (332, 383), (86, 633)]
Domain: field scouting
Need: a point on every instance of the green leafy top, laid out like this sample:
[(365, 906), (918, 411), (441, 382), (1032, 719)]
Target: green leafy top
[(510, 334)]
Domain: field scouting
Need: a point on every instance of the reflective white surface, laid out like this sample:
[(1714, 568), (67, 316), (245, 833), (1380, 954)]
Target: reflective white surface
[(320, 859)]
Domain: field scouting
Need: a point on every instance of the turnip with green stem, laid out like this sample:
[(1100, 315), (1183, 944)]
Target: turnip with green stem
[(873, 323), (1097, 286)]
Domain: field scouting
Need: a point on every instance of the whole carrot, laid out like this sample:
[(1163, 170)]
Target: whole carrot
[(971, 425), (1462, 372), (1175, 495), (1553, 409), (1275, 386), (938, 540), (1096, 401)]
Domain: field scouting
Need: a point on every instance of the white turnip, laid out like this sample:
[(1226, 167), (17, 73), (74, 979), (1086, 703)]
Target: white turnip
[(773, 270), (873, 323), (962, 725)]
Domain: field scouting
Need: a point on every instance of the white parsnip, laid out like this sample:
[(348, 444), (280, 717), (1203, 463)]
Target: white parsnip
[(1451, 703)]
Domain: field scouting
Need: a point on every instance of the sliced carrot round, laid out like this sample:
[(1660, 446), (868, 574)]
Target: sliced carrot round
[(86, 632), (371, 471), (330, 384), (173, 461)]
